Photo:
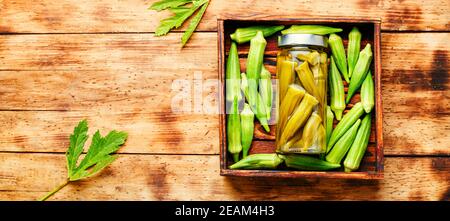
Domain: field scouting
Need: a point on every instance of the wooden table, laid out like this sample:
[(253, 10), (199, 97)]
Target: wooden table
[(63, 61)]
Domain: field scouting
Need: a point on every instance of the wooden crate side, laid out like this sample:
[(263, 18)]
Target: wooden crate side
[(378, 97)]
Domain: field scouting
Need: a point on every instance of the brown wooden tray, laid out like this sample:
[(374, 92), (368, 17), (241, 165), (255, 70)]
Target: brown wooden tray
[(372, 163)]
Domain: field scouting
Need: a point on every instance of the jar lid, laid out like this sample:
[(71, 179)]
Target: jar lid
[(291, 40)]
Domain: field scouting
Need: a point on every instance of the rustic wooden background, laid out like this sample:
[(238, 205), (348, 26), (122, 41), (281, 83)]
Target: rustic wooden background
[(62, 61)]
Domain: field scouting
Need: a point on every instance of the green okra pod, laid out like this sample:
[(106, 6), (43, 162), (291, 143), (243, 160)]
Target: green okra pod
[(347, 121), (261, 113), (232, 75), (368, 93), (254, 66), (337, 96), (258, 161), (260, 108), (298, 118), (329, 123), (360, 72), (343, 145), (234, 131), (303, 162), (338, 53), (293, 97), (247, 127), (265, 89), (244, 85), (359, 146), (354, 44), (242, 35), (310, 29)]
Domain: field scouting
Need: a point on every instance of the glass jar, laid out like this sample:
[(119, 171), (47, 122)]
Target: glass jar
[(302, 69)]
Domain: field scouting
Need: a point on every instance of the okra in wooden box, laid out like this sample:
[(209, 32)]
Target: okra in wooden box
[(300, 98)]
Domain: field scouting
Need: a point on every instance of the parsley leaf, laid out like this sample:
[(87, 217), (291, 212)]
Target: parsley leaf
[(181, 14), (97, 157), (182, 11), (194, 23), (164, 4)]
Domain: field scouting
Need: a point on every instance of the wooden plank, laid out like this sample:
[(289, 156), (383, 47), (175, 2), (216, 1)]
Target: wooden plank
[(411, 134), (148, 132), (156, 177), (76, 16)]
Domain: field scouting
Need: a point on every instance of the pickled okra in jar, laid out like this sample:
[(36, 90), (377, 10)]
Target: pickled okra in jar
[(302, 68)]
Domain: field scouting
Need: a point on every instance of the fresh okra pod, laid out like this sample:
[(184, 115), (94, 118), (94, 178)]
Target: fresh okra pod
[(360, 71), (265, 89), (298, 118), (347, 121), (234, 131), (330, 118), (232, 75), (303, 162), (260, 108), (286, 77), (343, 145), (338, 53), (254, 66), (258, 161), (310, 29), (261, 113), (244, 85), (359, 146), (242, 35), (306, 78), (313, 58), (247, 127), (368, 93), (293, 97), (336, 91), (354, 41)]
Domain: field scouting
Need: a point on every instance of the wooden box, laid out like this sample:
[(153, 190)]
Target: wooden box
[(372, 163)]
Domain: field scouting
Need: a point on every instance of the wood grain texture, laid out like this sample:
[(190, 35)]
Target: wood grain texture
[(29, 176), (148, 132), (118, 79), (77, 16)]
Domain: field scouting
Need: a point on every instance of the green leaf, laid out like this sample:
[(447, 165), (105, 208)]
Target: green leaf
[(194, 23), (77, 141), (97, 158), (98, 155), (164, 4), (181, 14)]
